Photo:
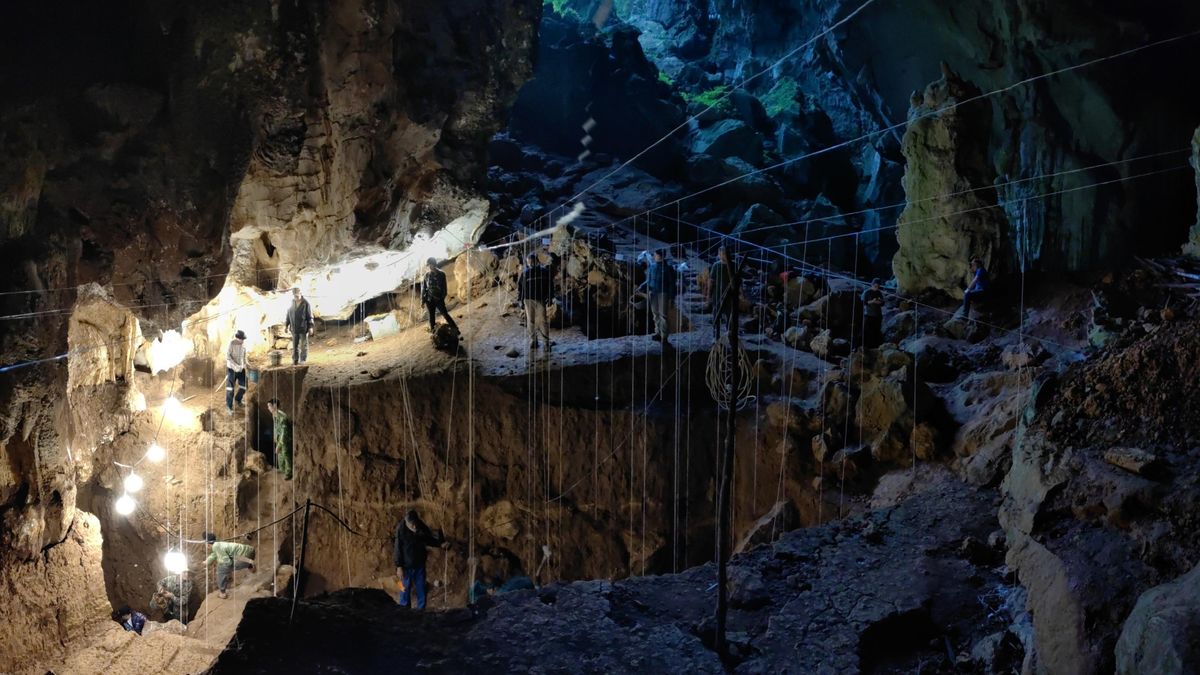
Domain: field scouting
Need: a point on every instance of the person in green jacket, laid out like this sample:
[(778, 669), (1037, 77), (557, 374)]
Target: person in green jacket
[(283, 438), (229, 556)]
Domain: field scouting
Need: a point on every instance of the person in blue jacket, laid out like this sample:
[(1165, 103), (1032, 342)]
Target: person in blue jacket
[(129, 619), (978, 286)]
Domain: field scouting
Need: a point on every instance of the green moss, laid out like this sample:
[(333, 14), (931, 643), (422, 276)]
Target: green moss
[(710, 97), (665, 79), (563, 8), (782, 96)]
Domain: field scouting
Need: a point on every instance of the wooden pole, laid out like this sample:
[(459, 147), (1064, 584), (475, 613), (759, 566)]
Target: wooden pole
[(724, 512), (298, 581)]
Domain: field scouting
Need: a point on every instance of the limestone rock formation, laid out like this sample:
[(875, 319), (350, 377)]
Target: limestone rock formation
[(946, 149), (1160, 634), (1193, 244)]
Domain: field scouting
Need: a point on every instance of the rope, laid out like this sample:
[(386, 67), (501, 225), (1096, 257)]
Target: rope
[(718, 375)]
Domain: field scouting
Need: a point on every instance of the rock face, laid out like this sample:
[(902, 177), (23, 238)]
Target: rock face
[(156, 132), (947, 154), (1193, 244), (859, 80), (1160, 634), (1086, 534)]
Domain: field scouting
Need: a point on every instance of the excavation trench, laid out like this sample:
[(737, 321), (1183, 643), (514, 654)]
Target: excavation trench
[(610, 465)]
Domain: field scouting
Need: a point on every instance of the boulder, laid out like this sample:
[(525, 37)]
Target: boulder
[(475, 272), (1132, 460), (729, 138), (1161, 633), (1023, 355), (899, 326)]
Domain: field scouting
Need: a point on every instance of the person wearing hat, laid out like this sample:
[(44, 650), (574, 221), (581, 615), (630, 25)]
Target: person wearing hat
[(413, 536), (299, 322), (872, 301), (235, 371), (229, 556), (433, 294)]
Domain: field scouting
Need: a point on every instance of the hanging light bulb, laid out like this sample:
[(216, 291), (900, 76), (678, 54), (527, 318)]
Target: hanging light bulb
[(175, 562), (156, 453), (125, 505), (133, 483)]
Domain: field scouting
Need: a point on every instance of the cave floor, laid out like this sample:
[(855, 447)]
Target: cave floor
[(903, 588)]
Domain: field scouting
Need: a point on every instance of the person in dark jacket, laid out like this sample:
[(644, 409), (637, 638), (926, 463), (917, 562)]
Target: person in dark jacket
[(299, 323), (661, 285), (412, 538), (872, 302), (129, 619), (720, 283), (433, 294), (535, 287)]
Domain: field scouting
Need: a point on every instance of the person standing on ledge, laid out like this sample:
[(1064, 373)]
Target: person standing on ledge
[(872, 301), (229, 556), (534, 290), (661, 284), (299, 323), (235, 371), (433, 294), (283, 438), (978, 286), (412, 538), (720, 280)]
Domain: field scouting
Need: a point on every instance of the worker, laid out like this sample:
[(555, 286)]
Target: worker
[(872, 301), (662, 284), (978, 286), (720, 283), (482, 588), (171, 596), (229, 556), (235, 371), (299, 323), (433, 294), (409, 554), (283, 438), (129, 619), (535, 287)]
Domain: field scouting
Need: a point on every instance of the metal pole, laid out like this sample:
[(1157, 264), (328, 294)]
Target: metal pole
[(298, 581), (724, 512)]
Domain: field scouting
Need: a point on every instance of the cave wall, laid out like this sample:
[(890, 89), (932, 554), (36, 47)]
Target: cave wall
[(139, 136), (859, 80), (571, 458)]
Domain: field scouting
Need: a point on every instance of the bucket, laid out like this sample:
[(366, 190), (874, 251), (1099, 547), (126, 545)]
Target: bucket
[(252, 373), (275, 357)]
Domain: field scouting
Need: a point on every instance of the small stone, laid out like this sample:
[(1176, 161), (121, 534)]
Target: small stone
[(512, 353), (1132, 460)]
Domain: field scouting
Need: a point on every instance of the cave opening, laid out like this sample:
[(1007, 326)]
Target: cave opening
[(947, 257)]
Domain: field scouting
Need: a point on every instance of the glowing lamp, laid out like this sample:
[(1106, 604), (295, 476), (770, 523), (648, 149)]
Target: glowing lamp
[(175, 562), (173, 410), (125, 505), (156, 453), (133, 483)]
